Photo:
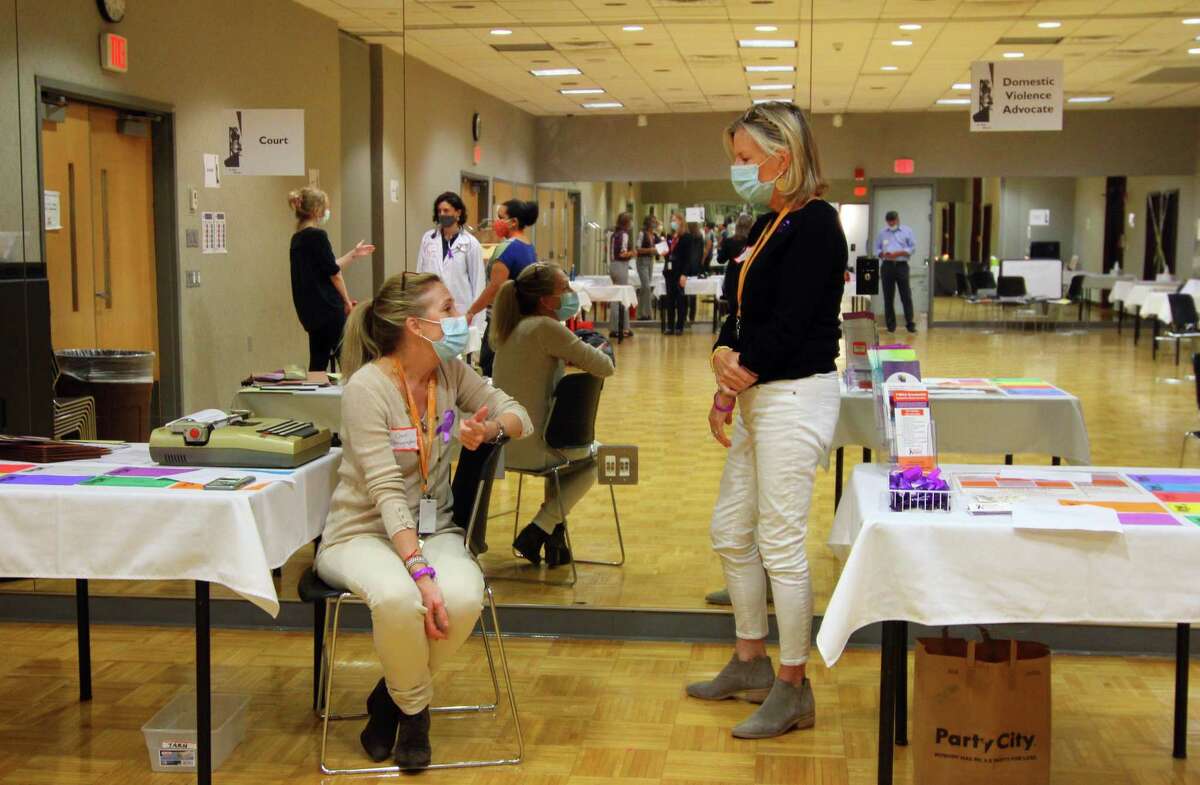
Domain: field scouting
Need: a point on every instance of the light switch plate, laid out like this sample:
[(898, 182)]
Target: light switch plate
[(193, 278), (617, 464), (191, 238)]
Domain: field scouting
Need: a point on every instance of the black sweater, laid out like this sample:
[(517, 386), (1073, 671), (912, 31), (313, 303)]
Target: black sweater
[(685, 259), (792, 297)]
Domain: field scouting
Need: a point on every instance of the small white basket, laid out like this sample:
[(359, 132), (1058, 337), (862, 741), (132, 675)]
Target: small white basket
[(171, 738), (918, 501)]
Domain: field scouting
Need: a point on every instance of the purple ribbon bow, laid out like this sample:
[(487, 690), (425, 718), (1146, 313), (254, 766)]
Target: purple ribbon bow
[(914, 479), (446, 426)]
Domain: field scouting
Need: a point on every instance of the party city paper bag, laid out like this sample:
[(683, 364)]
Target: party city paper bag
[(981, 712)]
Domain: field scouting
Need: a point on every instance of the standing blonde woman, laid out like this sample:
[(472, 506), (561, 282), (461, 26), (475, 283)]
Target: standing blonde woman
[(405, 383), (774, 364), (318, 289)]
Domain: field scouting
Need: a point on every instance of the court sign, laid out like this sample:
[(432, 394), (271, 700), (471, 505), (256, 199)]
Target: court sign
[(1011, 95), (265, 141)]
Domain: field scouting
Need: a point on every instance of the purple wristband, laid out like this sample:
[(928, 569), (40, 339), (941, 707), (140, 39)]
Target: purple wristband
[(718, 408), (421, 573)]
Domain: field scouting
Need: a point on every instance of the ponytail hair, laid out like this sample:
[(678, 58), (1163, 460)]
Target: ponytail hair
[(520, 298), (525, 213), (375, 327), (307, 202)]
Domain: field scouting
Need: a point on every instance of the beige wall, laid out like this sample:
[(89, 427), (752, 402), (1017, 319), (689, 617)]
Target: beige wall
[(439, 146), (1089, 222), (1136, 191), (353, 213), (241, 318), (688, 146), (1019, 195)]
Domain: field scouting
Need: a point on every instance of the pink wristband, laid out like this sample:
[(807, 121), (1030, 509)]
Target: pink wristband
[(719, 408), (421, 573)]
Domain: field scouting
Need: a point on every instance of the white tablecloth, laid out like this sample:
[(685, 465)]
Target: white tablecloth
[(322, 407), (997, 424), (1136, 295), (953, 568), (599, 292), (703, 287), (234, 538), (1157, 306)]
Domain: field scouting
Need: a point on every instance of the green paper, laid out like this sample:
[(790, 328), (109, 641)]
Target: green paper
[(131, 482)]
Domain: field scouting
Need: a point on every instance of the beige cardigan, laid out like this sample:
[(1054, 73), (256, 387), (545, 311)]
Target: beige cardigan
[(378, 491), (528, 366)]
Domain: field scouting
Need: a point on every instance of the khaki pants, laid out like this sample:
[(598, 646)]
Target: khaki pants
[(369, 566)]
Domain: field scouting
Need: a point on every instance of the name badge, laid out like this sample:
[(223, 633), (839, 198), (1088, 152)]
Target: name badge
[(743, 256), (403, 439), (427, 517)]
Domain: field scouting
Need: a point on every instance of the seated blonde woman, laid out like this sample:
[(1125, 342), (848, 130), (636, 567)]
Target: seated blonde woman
[(532, 345), (404, 385)]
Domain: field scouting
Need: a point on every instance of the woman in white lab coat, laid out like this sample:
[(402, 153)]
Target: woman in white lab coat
[(453, 254)]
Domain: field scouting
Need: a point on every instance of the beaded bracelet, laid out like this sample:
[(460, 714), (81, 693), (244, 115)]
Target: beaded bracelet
[(421, 573), (416, 552), (418, 562), (720, 409)]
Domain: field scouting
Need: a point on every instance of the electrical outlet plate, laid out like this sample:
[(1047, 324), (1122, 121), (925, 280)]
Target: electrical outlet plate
[(192, 277), (617, 464), (191, 238)]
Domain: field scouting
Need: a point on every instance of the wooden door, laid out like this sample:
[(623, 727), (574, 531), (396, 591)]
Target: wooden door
[(123, 236), (66, 171), (502, 191), (470, 196), (101, 262)]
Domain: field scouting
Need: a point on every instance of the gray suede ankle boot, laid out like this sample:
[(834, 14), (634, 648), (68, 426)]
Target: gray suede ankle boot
[(746, 680), (787, 707)]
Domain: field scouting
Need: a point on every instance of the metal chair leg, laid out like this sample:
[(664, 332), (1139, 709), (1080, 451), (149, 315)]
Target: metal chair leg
[(620, 539), (517, 512)]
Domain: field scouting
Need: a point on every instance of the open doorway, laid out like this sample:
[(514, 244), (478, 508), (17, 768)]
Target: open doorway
[(1114, 223), (106, 169)]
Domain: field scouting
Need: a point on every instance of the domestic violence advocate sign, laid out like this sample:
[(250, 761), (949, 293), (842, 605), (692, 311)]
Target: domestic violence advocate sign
[(1011, 95)]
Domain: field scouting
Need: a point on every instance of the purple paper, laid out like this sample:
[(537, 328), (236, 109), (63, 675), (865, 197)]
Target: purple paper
[(1146, 519), (44, 479), (147, 471)]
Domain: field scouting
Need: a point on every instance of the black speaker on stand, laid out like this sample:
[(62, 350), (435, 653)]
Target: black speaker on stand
[(866, 275)]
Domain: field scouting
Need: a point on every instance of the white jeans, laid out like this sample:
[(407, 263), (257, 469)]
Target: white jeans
[(369, 566), (781, 432)]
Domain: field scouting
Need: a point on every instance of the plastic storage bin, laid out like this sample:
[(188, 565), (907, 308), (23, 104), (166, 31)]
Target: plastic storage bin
[(171, 733)]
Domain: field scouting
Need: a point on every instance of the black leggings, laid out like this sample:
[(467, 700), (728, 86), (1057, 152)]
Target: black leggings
[(677, 304), (325, 345)]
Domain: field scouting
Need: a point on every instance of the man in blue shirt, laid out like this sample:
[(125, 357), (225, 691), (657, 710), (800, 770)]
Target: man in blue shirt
[(894, 246)]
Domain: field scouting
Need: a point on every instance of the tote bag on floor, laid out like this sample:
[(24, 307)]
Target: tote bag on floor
[(981, 712)]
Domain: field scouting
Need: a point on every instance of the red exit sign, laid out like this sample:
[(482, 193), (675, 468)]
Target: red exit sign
[(114, 52)]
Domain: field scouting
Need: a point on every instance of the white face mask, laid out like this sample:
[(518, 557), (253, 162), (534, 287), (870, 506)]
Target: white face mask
[(325, 217)]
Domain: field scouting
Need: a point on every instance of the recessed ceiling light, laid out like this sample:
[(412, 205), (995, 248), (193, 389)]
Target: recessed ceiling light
[(766, 29), (766, 43), (1193, 21), (954, 101), (771, 87), (770, 69), (556, 72), (1013, 55), (889, 68), (633, 28), (910, 26), (604, 105), (1090, 99), (902, 42), (582, 91), (770, 100), (1049, 25), (501, 31), (1194, 51), (961, 85)]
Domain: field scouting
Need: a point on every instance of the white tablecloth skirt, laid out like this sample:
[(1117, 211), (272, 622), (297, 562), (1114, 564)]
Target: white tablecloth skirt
[(999, 425), (711, 286), (952, 568), (231, 538)]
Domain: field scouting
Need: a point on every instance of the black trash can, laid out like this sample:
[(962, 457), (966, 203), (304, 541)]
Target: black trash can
[(121, 381)]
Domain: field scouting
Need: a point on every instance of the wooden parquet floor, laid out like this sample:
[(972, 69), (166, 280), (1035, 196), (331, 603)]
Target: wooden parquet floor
[(1136, 411), (593, 711)]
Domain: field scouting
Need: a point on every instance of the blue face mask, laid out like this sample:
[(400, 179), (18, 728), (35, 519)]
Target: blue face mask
[(745, 181), (568, 306), (455, 333), (326, 216)]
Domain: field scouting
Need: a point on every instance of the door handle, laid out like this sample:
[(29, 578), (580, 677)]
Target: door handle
[(106, 241), (74, 243)]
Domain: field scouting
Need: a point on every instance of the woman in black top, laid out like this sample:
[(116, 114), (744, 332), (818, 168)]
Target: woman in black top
[(774, 360), (318, 289), (682, 263)]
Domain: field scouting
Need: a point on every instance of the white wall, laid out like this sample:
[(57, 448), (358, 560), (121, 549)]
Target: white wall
[(1018, 196)]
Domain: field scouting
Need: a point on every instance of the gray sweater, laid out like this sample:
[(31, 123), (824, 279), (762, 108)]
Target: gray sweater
[(528, 366)]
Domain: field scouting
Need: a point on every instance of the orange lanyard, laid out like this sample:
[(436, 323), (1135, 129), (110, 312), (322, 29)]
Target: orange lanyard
[(762, 243), (425, 435)]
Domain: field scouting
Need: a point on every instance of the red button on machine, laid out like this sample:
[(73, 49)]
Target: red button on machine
[(194, 433)]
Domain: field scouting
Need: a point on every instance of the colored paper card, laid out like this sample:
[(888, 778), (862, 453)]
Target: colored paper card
[(1054, 484), (9, 468), (978, 484), (1182, 479), (146, 471), (1038, 392), (1108, 480), (130, 482), (1146, 519), (1178, 497), (44, 479), (1039, 382), (1184, 508), (1194, 519), (1170, 487), (187, 486), (1131, 507)]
